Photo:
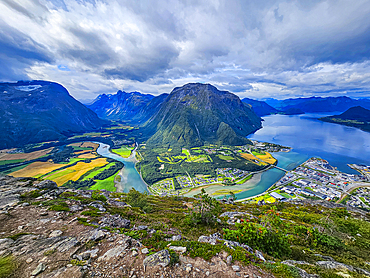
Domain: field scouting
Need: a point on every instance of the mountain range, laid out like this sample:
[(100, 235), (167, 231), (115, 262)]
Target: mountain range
[(319, 104), (37, 111), (355, 116), (191, 115)]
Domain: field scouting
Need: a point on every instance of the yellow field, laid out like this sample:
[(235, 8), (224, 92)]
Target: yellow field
[(76, 171), (26, 156), (267, 157), (37, 169), (248, 156), (87, 155)]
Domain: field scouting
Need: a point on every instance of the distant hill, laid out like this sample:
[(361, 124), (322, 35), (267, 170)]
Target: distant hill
[(121, 106), (319, 104), (261, 108), (355, 116), (195, 114), (36, 111)]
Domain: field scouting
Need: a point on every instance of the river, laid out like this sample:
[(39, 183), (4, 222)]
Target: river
[(130, 178)]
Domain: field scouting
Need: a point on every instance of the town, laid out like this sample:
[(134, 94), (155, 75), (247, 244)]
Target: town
[(317, 179)]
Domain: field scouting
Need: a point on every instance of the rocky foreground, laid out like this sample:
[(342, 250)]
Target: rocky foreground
[(48, 243), (51, 231)]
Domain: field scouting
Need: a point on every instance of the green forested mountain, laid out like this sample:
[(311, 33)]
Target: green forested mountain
[(37, 111), (195, 114)]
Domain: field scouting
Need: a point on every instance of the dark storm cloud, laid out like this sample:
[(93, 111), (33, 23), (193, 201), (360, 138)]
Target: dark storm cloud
[(277, 48)]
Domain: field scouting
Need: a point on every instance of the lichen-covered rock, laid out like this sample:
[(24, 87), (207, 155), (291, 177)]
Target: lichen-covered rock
[(179, 249), (115, 221), (46, 184), (40, 268), (56, 233), (160, 258), (112, 253), (334, 265)]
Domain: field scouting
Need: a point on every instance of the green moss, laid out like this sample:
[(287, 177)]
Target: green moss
[(60, 206), (91, 212), (16, 236), (8, 266), (77, 263), (49, 252), (31, 195), (96, 195)]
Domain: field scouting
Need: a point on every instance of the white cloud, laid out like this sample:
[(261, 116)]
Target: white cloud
[(257, 49)]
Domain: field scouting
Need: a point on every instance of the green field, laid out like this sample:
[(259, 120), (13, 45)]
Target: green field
[(124, 151), (245, 179), (7, 172), (186, 152), (4, 162), (107, 184), (97, 171), (225, 157)]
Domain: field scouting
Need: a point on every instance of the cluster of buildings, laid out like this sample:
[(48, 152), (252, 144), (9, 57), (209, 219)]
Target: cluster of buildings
[(316, 178), (203, 180), (184, 181), (288, 178), (162, 187), (269, 147), (233, 174), (355, 201), (363, 169)]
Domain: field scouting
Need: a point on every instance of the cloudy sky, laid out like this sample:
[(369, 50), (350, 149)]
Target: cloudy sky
[(257, 49)]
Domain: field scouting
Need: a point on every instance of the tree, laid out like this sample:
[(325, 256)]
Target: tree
[(206, 209)]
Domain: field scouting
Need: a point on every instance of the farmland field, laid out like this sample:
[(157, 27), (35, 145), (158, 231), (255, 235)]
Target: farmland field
[(267, 157), (107, 184), (24, 156), (37, 169), (124, 151), (75, 172)]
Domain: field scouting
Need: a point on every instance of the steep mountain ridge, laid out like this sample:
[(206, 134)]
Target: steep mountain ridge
[(36, 111), (198, 113), (120, 106)]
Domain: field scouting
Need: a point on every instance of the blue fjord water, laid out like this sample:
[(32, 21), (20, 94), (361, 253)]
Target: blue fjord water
[(309, 137)]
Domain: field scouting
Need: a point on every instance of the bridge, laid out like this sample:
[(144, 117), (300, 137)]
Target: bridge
[(280, 168)]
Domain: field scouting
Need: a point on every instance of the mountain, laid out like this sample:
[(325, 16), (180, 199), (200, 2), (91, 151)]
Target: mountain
[(355, 116), (36, 111), (320, 104), (121, 106), (195, 114), (261, 108)]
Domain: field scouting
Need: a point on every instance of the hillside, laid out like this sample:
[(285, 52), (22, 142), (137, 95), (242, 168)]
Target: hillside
[(38, 111), (355, 116), (261, 108), (320, 104), (49, 231), (120, 106), (198, 113)]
